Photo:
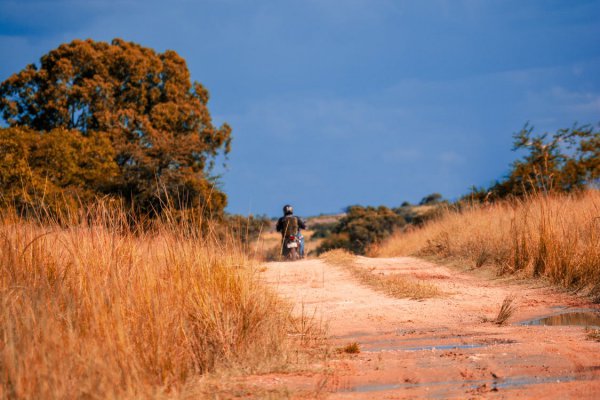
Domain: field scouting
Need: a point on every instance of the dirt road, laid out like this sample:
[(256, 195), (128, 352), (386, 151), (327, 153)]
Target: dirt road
[(440, 347)]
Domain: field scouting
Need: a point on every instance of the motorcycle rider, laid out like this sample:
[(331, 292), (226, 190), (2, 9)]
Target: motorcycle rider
[(289, 224)]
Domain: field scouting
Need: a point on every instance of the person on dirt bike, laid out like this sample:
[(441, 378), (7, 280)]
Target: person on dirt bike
[(289, 224)]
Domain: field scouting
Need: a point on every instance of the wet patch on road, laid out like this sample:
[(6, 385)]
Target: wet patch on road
[(492, 384), (590, 318), (376, 349), (432, 343)]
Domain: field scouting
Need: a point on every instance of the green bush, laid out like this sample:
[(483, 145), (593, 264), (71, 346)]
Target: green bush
[(322, 230), (433, 198), (335, 241), (418, 215), (361, 228)]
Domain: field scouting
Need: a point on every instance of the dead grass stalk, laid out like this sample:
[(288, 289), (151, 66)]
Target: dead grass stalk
[(507, 309)]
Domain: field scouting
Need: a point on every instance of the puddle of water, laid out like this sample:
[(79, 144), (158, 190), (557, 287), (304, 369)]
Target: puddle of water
[(500, 383), (516, 382), (576, 318), (425, 348)]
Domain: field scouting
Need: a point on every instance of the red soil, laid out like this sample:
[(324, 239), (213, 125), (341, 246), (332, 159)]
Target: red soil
[(435, 348)]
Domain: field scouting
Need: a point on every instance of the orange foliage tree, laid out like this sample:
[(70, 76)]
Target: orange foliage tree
[(59, 168), (156, 121)]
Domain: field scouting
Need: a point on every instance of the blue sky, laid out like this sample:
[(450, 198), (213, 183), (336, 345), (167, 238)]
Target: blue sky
[(370, 102)]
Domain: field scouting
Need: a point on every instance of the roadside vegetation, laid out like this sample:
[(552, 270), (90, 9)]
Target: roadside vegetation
[(121, 275), (554, 236), (362, 228), (94, 308), (541, 220)]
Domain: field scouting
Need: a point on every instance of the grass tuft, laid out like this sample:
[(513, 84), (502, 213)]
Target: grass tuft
[(350, 348), (392, 285), (507, 309), (593, 334)]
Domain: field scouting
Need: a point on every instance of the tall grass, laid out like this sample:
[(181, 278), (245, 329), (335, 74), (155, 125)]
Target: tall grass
[(554, 236), (95, 310)]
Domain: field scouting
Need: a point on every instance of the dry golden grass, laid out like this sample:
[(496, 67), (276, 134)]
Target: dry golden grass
[(557, 237), (350, 348), (507, 309), (96, 311), (339, 257), (392, 285), (593, 334), (267, 247)]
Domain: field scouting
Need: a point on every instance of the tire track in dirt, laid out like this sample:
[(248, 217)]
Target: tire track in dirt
[(439, 347)]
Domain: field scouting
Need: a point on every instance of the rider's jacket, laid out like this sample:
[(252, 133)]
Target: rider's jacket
[(290, 225)]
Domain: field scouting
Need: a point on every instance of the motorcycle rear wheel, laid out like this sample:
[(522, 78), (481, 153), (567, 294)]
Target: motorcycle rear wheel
[(293, 255)]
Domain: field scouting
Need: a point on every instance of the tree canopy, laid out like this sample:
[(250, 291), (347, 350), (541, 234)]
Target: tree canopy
[(152, 121), (565, 161), (58, 168)]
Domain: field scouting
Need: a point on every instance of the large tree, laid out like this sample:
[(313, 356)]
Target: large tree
[(155, 118)]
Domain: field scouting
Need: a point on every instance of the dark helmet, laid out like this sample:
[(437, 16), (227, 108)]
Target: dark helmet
[(288, 210)]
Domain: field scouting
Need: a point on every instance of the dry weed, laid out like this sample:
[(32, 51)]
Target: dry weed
[(307, 328), (593, 334), (350, 348), (507, 309)]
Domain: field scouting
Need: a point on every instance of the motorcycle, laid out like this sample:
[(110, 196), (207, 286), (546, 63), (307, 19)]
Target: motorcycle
[(291, 248)]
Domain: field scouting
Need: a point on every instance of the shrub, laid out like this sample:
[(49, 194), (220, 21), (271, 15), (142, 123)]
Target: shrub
[(418, 215), (55, 171), (433, 198), (335, 241), (565, 161), (363, 227), (322, 230)]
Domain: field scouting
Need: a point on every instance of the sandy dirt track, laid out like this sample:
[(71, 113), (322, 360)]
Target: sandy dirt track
[(440, 347)]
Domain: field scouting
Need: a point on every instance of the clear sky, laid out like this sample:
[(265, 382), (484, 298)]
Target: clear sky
[(340, 102)]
